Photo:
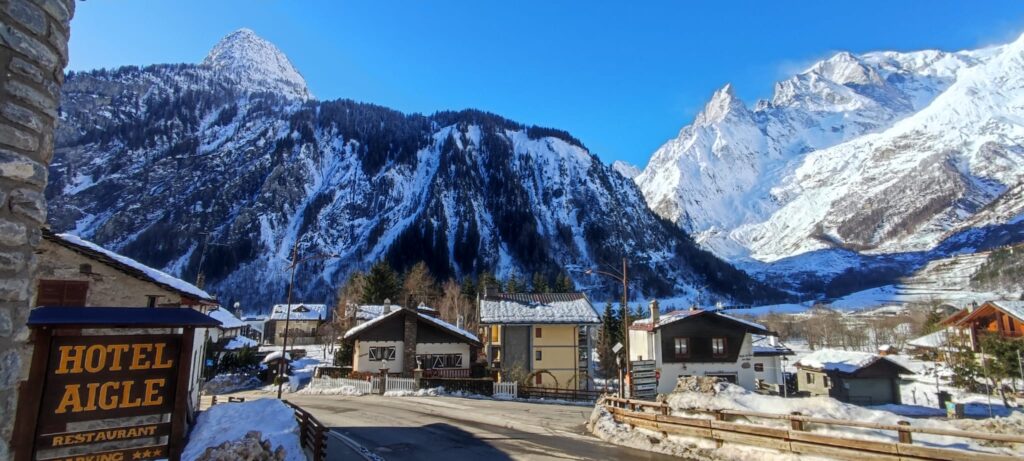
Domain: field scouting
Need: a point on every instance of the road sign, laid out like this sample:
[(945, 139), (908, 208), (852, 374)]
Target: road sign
[(617, 347), (644, 374), (640, 388), (642, 365)]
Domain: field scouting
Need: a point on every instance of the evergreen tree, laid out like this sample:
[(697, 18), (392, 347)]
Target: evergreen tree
[(514, 285), (563, 284), (381, 284), (540, 284), (1001, 363), (488, 279)]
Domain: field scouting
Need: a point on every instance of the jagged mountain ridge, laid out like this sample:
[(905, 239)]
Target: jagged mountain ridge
[(883, 158), (149, 159)]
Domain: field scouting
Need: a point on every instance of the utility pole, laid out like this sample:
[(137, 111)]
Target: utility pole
[(287, 318), (625, 314)]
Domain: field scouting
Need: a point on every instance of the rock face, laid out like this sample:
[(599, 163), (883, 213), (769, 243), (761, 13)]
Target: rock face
[(151, 159), (256, 65), (896, 157)]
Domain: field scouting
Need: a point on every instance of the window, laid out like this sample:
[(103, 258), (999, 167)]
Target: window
[(759, 367), (718, 347), (538, 356), (62, 293), (536, 379), (809, 377), (824, 381), (537, 332), (433, 361), (495, 334), (682, 347), (151, 300), (382, 353)]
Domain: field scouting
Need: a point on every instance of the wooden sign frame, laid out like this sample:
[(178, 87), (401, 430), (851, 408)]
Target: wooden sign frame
[(27, 431)]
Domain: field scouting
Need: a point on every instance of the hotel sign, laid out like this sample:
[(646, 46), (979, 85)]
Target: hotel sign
[(113, 396), (100, 377)]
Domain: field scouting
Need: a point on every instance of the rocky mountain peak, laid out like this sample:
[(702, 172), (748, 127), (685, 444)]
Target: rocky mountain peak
[(722, 103), (257, 64), (844, 68)]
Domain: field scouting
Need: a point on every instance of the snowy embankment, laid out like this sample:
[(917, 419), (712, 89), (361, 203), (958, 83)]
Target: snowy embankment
[(229, 431), (731, 397)]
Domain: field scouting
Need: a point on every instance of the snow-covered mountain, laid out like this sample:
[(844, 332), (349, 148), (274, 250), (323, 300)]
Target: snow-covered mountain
[(149, 160), (861, 159), (256, 65), (626, 169)]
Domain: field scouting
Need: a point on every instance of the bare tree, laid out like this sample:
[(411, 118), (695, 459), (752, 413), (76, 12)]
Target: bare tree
[(455, 304), (419, 285)]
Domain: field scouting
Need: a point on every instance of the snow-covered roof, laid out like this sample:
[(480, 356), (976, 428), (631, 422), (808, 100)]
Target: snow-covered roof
[(129, 265), (227, 319), (675, 316), (276, 355), (300, 311), (239, 342), (842, 361), (933, 340), (370, 311), (763, 345), (436, 321), (1014, 308), (530, 308)]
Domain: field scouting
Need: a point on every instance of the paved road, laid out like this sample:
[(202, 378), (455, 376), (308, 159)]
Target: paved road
[(454, 429)]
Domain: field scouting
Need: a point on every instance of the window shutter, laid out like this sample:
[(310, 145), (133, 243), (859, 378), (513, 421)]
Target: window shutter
[(62, 293)]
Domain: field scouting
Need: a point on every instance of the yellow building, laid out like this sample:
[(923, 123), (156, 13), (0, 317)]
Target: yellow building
[(542, 339)]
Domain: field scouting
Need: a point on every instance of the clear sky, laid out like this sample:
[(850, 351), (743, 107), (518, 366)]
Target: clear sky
[(623, 77)]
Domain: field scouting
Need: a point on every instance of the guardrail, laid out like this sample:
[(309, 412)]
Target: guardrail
[(796, 439), (506, 389), (312, 434)]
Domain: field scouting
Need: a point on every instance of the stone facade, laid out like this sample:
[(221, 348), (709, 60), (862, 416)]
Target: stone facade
[(108, 287), (33, 53)]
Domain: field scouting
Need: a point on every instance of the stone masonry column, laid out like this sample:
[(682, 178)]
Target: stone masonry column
[(33, 54)]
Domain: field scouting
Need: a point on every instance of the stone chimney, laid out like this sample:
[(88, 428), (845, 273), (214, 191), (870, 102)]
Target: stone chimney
[(490, 290), (409, 342), (655, 312)]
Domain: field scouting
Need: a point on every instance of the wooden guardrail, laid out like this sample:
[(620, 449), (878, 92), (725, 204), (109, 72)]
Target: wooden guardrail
[(312, 433), (796, 439)]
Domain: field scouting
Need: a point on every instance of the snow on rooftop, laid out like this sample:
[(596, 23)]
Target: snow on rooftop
[(1014, 308), (239, 342), (836, 360), (276, 355), (155, 275), (674, 316), (931, 340), (300, 311), (227, 319), (436, 321), (534, 308)]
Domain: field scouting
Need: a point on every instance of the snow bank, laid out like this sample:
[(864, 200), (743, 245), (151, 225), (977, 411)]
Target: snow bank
[(841, 361), (230, 422), (225, 383)]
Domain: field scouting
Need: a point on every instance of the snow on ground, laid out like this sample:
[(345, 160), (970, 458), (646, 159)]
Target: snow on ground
[(230, 382), (230, 422)]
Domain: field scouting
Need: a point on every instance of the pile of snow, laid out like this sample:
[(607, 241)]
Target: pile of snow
[(340, 390), (240, 342), (431, 392), (272, 419), (732, 397), (227, 319), (276, 355)]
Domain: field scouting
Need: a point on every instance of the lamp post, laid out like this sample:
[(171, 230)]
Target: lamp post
[(288, 312), (624, 279), (785, 383)]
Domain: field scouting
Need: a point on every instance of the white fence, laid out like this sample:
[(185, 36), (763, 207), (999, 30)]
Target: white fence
[(507, 389), (365, 387), (400, 384)]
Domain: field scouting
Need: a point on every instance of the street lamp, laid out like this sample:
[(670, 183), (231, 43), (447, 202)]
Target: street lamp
[(288, 312), (624, 279)]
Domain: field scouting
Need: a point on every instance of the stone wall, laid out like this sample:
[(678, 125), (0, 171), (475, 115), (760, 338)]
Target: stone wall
[(33, 53), (108, 287)]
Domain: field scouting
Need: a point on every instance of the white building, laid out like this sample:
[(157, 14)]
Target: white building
[(700, 342)]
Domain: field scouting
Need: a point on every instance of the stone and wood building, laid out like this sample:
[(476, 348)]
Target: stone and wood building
[(854, 377), (303, 322), (402, 339), (545, 339), (965, 328)]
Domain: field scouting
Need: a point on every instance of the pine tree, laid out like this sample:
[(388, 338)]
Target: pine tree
[(381, 284), (488, 279), (540, 284), (606, 339), (563, 284), (514, 285)]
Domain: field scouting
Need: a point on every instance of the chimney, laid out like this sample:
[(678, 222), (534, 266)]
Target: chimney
[(459, 321), (409, 341), (655, 312), (490, 290)]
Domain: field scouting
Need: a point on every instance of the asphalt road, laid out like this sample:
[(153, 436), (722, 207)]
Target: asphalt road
[(454, 429)]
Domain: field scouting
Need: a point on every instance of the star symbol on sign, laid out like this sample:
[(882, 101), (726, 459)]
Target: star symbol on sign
[(137, 455)]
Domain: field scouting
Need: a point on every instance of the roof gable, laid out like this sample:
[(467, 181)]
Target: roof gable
[(423, 321), (129, 266), (689, 314)]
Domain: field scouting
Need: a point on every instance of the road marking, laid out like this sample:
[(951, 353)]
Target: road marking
[(363, 451)]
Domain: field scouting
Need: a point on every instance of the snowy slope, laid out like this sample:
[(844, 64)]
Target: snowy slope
[(149, 159), (858, 156), (257, 65)]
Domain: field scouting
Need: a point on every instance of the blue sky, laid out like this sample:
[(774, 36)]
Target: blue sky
[(621, 76)]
